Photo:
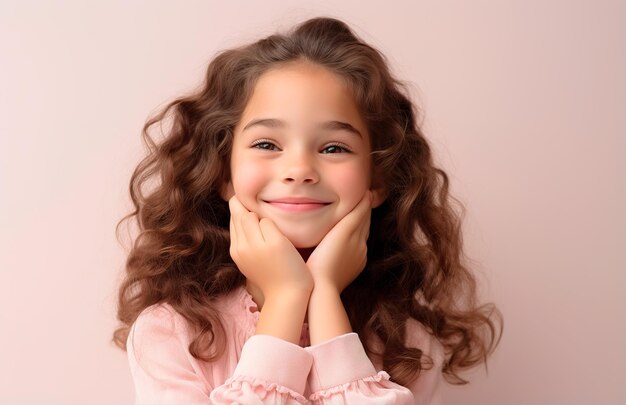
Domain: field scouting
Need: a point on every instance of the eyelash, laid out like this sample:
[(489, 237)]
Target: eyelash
[(256, 144), (340, 146)]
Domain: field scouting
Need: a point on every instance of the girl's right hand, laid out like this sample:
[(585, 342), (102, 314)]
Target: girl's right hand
[(264, 255)]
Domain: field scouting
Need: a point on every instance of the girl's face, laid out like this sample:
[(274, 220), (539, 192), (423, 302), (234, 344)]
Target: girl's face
[(301, 152)]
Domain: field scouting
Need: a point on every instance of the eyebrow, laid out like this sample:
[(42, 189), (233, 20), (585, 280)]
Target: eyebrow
[(328, 125)]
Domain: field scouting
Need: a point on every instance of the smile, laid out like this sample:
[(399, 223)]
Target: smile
[(297, 204)]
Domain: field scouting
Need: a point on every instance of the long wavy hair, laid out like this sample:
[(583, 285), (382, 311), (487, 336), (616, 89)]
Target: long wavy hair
[(416, 267)]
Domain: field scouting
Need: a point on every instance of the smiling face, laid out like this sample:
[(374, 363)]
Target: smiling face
[(301, 152)]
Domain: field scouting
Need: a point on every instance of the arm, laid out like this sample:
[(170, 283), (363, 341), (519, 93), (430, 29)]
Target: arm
[(334, 264), (271, 263), (326, 315), (270, 371), (341, 372), (164, 372), (283, 314)]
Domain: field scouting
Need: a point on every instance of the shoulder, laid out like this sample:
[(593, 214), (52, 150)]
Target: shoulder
[(419, 337), (427, 387), (157, 313), (158, 323), (162, 324)]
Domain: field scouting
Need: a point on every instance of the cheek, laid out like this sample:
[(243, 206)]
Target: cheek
[(351, 182), (248, 179)]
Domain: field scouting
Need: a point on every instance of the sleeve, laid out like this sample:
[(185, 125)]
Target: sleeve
[(343, 374), (269, 370)]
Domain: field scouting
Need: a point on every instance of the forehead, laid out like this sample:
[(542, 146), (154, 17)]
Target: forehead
[(302, 94)]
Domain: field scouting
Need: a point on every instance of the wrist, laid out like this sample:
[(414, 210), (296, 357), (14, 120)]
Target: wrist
[(325, 286), (282, 315), (288, 295), (326, 315), (291, 289)]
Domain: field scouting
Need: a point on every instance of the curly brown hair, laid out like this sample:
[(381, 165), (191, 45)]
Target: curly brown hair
[(416, 266)]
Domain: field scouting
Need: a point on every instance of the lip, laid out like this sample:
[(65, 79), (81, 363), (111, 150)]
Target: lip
[(297, 204), (296, 200)]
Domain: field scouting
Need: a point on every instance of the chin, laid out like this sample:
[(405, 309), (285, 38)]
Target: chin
[(304, 241)]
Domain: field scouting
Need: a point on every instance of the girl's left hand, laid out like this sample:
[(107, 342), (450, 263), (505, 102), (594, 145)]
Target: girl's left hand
[(342, 254)]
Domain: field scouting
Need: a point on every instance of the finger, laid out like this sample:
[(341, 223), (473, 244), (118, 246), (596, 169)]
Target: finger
[(232, 231), (231, 224), (269, 230), (367, 207), (234, 242), (365, 228), (360, 212), (363, 214), (250, 227), (237, 210), (235, 206), (247, 222), (364, 205), (367, 200)]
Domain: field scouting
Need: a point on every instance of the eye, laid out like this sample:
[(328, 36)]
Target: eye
[(336, 148), (264, 144)]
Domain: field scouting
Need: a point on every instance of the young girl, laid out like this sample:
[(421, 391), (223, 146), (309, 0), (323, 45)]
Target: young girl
[(299, 245)]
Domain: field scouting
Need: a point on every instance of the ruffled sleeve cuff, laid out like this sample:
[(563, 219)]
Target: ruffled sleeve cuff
[(274, 361), (340, 360)]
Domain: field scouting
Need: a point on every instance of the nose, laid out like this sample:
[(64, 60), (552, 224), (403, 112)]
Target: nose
[(299, 168)]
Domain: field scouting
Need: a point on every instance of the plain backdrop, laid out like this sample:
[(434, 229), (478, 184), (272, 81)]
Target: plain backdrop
[(523, 102)]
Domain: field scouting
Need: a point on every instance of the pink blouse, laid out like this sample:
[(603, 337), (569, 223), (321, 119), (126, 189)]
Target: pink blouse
[(262, 369)]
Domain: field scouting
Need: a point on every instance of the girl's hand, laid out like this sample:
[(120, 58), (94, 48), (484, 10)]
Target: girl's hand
[(342, 254), (264, 255)]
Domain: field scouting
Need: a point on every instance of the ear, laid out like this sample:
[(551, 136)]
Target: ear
[(227, 191), (380, 195)]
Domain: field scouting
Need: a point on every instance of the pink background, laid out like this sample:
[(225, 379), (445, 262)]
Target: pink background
[(524, 105)]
